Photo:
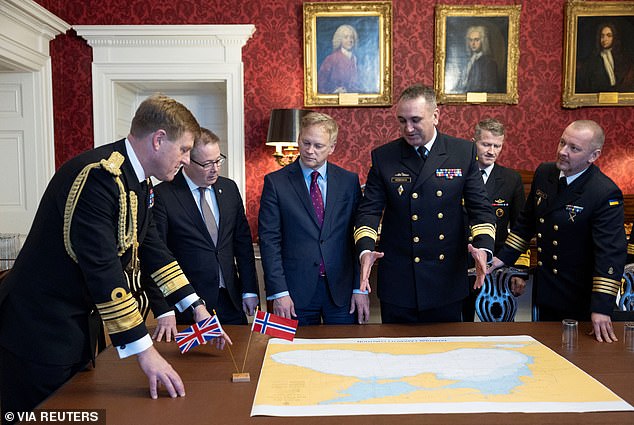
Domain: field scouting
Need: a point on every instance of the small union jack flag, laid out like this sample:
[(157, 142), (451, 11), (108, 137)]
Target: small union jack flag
[(270, 324), (198, 333)]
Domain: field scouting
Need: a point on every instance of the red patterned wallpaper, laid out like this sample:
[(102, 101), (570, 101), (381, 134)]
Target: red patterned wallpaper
[(273, 73)]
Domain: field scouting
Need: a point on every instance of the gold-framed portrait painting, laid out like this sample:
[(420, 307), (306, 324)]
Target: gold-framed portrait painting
[(476, 54), (598, 54), (348, 54)]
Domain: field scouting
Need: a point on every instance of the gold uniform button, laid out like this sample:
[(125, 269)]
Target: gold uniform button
[(470, 238), (541, 220), (415, 195), (555, 243), (555, 227), (441, 257), (416, 259), (441, 237), (539, 249), (539, 235), (416, 239), (555, 257), (440, 215), (554, 271), (539, 263), (439, 193), (414, 217)]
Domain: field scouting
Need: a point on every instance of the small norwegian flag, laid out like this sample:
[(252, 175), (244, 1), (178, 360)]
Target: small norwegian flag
[(270, 324)]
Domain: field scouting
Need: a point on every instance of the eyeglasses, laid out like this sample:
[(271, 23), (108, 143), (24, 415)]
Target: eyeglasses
[(207, 165)]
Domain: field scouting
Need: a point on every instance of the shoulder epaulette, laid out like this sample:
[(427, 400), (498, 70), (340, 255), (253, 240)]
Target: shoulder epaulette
[(127, 234)]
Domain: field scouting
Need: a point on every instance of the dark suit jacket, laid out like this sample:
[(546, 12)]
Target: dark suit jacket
[(506, 193), (593, 78), (422, 231), (581, 245), (181, 226), (483, 76), (47, 300), (292, 244)]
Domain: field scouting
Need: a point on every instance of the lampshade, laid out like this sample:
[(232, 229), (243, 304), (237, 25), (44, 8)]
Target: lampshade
[(284, 127)]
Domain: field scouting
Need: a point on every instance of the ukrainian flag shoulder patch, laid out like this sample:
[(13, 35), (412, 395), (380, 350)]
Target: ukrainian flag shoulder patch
[(615, 202)]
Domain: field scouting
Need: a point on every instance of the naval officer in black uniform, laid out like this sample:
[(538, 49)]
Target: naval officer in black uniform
[(506, 193), (415, 188), (94, 219), (576, 212)]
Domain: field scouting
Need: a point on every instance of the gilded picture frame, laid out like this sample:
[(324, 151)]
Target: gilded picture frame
[(591, 75), (476, 54), (348, 54)]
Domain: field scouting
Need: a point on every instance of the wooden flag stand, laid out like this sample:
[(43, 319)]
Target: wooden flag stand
[(240, 376)]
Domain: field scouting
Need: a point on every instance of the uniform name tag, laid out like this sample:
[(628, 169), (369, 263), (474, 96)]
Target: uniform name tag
[(401, 178)]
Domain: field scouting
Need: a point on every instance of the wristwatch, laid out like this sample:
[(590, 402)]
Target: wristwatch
[(196, 303)]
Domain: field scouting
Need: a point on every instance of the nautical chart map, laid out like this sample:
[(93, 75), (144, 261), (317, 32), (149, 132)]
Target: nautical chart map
[(423, 375)]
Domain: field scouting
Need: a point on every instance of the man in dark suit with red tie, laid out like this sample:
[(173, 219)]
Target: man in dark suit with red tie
[(201, 218), (305, 228)]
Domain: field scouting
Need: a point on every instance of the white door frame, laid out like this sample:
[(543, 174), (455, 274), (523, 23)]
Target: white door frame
[(163, 53), (27, 29)]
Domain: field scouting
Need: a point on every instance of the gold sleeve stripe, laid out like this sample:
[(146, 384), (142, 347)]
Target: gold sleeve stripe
[(121, 314), (605, 285), (487, 229), (365, 232), (170, 278), (524, 260), (516, 242), (630, 249)]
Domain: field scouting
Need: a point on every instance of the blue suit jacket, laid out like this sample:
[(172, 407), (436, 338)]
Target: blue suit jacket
[(291, 242), (182, 227)]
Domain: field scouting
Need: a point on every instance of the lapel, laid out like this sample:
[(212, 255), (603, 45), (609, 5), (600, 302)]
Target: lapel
[(220, 192), (573, 192), (296, 179), (184, 196), (333, 192), (437, 156), (131, 183), (495, 183)]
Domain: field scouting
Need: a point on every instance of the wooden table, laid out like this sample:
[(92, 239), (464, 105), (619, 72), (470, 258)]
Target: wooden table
[(121, 388)]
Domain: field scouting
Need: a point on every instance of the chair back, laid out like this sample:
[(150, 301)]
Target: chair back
[(626, 299), (496, 302)]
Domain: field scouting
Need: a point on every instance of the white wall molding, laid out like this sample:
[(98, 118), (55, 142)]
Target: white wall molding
[(123, 54)]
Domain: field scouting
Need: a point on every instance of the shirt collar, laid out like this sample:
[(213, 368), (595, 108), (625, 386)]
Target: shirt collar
[(429, 144), (487, 170), (134, 160), (570, 179), (307, 170), (192, 186)]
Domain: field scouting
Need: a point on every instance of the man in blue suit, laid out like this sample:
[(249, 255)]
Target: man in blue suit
[(215, 251), (305, 227)]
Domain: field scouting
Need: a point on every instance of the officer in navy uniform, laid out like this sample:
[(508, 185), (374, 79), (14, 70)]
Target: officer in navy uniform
[(93, 220), (576, 212), (415, 189), (506, 193)]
